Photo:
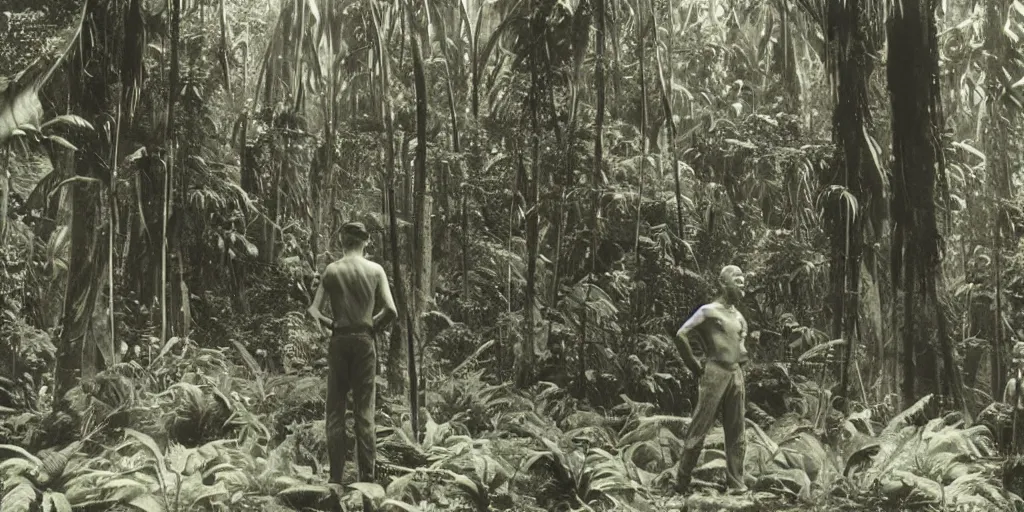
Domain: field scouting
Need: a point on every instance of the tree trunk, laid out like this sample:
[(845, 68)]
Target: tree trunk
[(79, 343), (786, 53), (525, 360), (869, 327), (597, 178), (90, 97), (396, 351), (851, 119), (317, 170), (639, 283), (917, 121), (668, 93), (423, 239), (171, 141), (995, 137)]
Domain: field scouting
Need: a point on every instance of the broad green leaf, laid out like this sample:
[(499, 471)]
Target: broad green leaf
[(168, 346), (21, 451), (371, 490), (19, 105), (16, 465), (62, 142), (20, 498), (75, 179), (147, 503), (200, 492), (69, 120), (150, 445)]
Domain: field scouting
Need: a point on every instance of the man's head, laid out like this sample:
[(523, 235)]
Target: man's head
[(732, 282), (354, 236)]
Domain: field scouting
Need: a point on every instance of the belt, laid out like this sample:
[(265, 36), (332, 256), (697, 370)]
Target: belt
[(351, 329)]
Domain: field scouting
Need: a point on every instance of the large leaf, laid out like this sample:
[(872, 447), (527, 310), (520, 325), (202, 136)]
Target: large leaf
[(19, 102), (906, 417), (25, 454), (68, 120), (20, 498), (373, 491), (19, 96), (57, 502), (147, 504)]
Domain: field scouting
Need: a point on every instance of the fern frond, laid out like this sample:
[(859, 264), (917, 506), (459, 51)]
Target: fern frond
[(907, 417)]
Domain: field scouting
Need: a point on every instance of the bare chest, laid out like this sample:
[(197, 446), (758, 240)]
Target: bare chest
[(729, 323)]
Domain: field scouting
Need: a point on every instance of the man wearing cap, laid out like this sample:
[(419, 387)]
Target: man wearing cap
[(357, 291), (724, 331)]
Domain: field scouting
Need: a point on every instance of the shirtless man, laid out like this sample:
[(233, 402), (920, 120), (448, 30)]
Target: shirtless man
[(724, 331), (360, 300)]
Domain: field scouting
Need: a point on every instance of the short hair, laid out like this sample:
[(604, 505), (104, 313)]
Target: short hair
[(353, 234)]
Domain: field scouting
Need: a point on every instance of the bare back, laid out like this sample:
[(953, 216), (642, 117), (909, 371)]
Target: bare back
[(354, 285), (724, 332)]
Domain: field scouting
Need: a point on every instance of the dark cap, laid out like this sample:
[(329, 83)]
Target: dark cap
[(355, 230)]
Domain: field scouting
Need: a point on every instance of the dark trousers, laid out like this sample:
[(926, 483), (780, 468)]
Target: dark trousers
[(721, 387), (352, 365)]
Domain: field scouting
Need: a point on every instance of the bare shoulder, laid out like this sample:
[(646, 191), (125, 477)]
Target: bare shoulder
[(711, 309), (377, 268), (331, 268), (329, 278), (700, 314)]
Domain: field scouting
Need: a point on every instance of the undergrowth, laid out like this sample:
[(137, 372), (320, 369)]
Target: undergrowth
[(194, 430)]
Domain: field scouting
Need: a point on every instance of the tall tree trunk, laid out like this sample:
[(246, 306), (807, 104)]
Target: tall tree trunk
[(459, 174), (786, 54), (239, 299), (171, 141), (317, 170), (919, 170), (668, 93), (564, 181), (597, 176), (396, 349), (423, 269), (852, 68), (323, 165), (525, 370), (997, 48), (638, 302), (90, 76), (400, 358)]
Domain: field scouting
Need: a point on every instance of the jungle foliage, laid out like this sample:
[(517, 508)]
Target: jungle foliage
[(552, 186)]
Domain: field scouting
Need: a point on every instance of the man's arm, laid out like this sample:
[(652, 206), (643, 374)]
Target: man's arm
[(318, 302), (388, 312), (683, 341)]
